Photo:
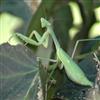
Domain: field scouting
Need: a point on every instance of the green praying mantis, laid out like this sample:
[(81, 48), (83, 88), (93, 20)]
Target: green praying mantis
[(73, 71)]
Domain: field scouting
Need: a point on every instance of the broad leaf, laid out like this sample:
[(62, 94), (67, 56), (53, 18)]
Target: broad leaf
[(19, 76)]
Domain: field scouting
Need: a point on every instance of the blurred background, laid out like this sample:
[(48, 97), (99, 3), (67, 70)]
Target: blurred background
[(72, 19)]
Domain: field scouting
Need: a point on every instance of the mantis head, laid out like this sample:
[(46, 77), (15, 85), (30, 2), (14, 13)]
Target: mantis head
[(44, 23)]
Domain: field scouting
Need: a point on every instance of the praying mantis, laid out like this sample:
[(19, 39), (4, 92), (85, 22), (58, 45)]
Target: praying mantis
[(73, 71)]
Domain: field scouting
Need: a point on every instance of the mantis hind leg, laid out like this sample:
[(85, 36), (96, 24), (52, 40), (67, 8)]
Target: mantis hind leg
[(82, 40)]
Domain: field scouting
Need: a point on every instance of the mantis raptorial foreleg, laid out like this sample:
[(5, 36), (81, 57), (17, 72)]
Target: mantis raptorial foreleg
[(33, 42), (38, 38)]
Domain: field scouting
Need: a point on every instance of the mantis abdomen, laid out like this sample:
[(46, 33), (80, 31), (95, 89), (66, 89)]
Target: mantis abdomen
[(72, 70)]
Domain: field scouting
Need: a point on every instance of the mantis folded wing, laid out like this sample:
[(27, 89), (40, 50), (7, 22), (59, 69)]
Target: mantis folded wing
[(72, 70)]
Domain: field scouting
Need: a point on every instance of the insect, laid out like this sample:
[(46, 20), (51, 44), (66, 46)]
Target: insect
[(73, 71)]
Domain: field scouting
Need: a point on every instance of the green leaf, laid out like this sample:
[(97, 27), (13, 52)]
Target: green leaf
[(19, 73)]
